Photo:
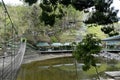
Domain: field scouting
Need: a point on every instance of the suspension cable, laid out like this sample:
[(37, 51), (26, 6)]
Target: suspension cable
[(12, 62), (9, 17)]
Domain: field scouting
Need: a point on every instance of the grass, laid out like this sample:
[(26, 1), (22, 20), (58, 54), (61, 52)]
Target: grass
[(118, 65), (100, 68), (68, 36), (96, 30)]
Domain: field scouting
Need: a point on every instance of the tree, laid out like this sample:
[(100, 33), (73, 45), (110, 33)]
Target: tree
[(30, 2), (34, 30), (102, 14), (52, 9), (50, 12), (86, 50), (110, 30)]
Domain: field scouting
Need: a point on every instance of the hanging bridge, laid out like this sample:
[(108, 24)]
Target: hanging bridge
[(9, 65), (13, 49)]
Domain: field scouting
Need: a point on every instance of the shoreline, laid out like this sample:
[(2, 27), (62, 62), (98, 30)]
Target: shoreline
[(36, 57)]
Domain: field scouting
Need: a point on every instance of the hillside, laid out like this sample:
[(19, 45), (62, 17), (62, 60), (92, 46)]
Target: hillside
[(96, 30), (27, 23)]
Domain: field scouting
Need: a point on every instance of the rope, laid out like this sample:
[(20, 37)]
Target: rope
[(11, 63), (9, 17), (17, 59)]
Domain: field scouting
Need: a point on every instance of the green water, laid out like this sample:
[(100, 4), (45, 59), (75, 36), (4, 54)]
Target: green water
[(60, 69)]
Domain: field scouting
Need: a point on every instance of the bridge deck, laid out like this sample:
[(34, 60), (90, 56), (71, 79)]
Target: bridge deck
[(9, 65), (6, 61)]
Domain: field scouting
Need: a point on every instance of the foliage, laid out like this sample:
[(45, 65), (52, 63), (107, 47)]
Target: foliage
[(102, 9), (55, 9), (50, 13), (53, 39), (32, 18), (107, 29), (102, 13), (29, 25), (101, 68), (78, 4), (96, 30), (113, 33), (110, 30), (30, 2), (68, 36), (86, 49), (83, 4)]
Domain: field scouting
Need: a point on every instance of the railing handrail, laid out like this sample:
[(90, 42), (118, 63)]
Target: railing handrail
[(16, 61)]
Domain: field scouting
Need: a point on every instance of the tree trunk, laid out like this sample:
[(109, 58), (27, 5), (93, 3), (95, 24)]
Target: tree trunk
[(97, 73), (76, 69)]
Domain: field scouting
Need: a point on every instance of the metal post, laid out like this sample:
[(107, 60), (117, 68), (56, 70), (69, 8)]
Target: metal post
[(76, 69)]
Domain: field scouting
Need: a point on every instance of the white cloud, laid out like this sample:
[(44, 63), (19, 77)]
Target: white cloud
[(13, 2), (116, 4)]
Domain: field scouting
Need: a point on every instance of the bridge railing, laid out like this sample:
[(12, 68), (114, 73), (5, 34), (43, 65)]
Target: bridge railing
[(9, 65), (12, 54)]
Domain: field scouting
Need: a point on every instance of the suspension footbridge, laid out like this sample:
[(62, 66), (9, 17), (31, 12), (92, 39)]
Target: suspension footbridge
[(13, 49), (9, 65)]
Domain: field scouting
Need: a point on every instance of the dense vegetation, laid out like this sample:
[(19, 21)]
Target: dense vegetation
[(50, 20), (102, 13), (28, 24), (61, 21)]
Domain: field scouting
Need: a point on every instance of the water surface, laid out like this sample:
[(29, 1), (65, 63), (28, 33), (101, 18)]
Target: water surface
[(61, 69)]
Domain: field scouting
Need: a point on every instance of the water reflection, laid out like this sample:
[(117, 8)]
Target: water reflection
[(44, 67), (59, 65), (49, 70)]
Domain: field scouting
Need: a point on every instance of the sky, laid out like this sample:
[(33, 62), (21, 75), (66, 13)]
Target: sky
[(13, 2), (116, 3)]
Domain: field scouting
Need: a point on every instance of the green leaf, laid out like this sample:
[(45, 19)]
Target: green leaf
[(86, 49)]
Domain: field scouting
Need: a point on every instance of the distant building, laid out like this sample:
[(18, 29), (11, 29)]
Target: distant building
[(43, 46), (112, 43)]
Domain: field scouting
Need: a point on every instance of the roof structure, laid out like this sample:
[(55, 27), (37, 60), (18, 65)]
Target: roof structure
[(42, 44), (56, 44), (67, 44), (113, 38)]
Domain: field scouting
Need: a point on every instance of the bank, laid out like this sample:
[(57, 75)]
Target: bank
[(39, 57)]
